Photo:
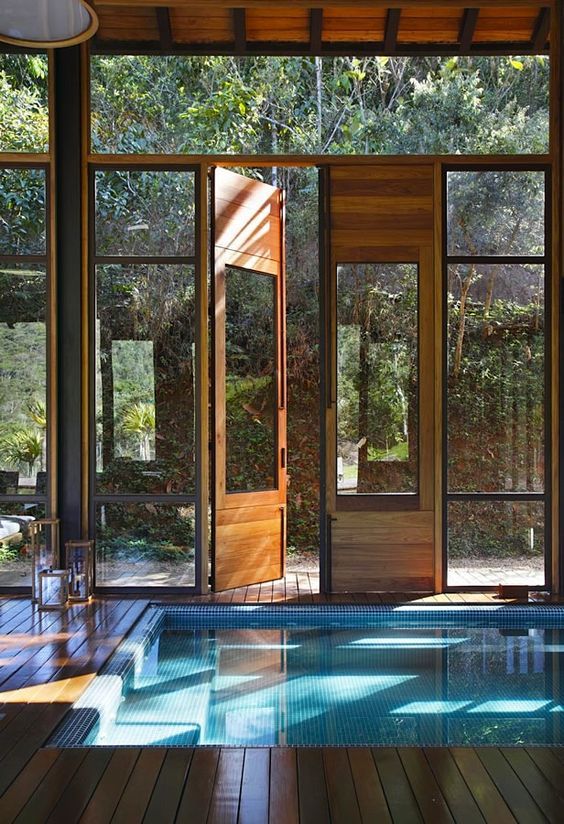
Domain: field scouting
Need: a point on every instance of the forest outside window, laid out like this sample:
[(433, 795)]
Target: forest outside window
[(144, 382), (497, 427), (23, 373), (377, 378)]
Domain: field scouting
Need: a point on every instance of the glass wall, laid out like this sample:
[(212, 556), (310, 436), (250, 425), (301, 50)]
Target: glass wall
[(24, 110), (23, 365), (330, 105), (145, 377), (497, 405)]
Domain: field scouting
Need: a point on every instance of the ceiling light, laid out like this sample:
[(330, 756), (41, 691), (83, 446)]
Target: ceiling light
[(50, 23)]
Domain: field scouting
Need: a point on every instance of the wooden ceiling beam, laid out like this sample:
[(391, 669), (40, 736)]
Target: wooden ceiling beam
[(165, 29), (320, 4), (240, 30), (391, 31), (315, 30), (278, 49), (467, 29), (541, 30)]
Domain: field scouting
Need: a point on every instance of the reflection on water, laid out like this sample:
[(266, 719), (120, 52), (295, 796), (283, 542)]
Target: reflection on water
[(355, 686)]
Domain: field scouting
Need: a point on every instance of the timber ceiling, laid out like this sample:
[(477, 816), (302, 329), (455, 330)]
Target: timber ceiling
[(323, 27)]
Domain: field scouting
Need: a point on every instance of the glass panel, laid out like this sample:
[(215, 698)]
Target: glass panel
[(144, 213), (492, 542), (15, 557), (377, 378), (495, 213), (24, 117), (23, 380), (331, 105), (145, 545), (250, 380), (496, 391), (145, 379), (22, 212)]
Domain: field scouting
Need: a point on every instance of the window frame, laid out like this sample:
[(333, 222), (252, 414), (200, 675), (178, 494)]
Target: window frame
[(95, 498), (546, 261), (380, 501)]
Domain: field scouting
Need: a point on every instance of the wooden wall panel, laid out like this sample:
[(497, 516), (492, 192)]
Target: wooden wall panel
[(381, 206), (385, 213), (382, 551)]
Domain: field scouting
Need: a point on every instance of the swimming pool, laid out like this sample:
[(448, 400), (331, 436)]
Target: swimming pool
[(328, 675)]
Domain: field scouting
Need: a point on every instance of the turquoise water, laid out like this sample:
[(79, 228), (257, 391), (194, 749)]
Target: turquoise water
[(327, 678)]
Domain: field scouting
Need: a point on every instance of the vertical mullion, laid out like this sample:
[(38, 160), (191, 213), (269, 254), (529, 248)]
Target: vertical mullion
[(202, 381)]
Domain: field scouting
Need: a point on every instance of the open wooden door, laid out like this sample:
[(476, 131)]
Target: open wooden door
[(249, 514)]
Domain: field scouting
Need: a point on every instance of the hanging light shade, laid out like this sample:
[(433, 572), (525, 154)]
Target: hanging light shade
[(49, 23)]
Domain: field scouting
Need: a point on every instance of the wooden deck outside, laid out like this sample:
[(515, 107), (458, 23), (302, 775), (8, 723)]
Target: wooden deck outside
[(47, 659)]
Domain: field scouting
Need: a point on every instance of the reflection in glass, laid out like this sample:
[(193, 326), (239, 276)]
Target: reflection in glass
[(250, 380), (24, 125), (496, 392), (15, 557), (495, 213), (493, 542), (144, 213), (145, 544), (145, 379), (23, 378), (22, 212), (377, 378)]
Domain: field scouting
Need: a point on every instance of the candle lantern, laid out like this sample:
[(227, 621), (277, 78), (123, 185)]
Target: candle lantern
[(44, 546), (53, 588), (80, 562)]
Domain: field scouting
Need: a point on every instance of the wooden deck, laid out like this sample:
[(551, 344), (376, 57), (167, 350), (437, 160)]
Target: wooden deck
[(48, 658)]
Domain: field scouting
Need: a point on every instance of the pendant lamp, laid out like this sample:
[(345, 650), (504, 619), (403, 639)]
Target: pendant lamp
[(46, 23)]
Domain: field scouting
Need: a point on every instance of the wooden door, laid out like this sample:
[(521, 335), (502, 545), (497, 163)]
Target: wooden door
[(249, 513), (381, 294)]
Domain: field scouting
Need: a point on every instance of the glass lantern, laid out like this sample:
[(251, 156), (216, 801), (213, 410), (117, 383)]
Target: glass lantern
[(44, 546), (80, 563), (53, 588)]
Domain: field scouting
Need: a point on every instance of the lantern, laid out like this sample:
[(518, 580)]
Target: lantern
[(53, 588), (80, 563), (44, 546)]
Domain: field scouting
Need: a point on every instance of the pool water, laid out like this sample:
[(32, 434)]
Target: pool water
[(329, 676)]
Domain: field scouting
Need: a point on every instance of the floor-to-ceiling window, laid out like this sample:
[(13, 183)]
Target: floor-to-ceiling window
[(497, 444), (24, 313), (144, 377)]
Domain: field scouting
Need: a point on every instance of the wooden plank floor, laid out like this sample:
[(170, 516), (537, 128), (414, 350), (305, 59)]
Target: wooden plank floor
[(48, 658)]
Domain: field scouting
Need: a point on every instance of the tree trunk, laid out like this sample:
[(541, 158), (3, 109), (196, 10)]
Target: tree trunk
[(464, 290)]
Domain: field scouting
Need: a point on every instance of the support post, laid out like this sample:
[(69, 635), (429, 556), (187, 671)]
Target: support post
[(68, 67)]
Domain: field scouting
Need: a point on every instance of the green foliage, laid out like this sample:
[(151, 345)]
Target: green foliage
[(304, 105), (22, 448), (215, 104), (24, 125)]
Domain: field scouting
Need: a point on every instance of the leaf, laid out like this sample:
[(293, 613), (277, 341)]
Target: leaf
[(517, 64)]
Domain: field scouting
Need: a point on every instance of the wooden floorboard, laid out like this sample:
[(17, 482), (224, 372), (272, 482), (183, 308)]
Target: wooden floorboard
[(47, 660)]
